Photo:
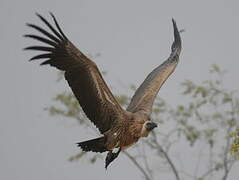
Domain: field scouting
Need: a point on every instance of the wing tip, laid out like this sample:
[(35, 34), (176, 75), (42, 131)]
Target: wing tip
[(38, 14), (177, 37), (173, 20), (25, 35), (57, 25), (52, 14), (175, 28)]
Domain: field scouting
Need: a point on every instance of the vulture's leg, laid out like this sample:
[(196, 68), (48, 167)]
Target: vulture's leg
[(111, 156)]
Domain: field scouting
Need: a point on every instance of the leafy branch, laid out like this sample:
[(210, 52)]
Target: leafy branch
[(209, 116)]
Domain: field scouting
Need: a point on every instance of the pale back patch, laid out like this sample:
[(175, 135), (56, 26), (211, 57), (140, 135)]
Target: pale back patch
[(97, 84), (108, 98)]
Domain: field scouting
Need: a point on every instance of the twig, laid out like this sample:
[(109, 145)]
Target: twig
[(146, 162), (225, 160), (161, 150), (137, 165), (208, 172), (198, 162)]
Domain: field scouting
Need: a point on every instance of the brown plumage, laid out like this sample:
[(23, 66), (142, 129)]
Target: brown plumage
[(120, 128)]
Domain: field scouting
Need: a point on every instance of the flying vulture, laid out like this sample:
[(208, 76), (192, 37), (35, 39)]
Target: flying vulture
[(119, 128)]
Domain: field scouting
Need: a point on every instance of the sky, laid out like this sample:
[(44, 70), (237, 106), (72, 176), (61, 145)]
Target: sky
[(133, 37)]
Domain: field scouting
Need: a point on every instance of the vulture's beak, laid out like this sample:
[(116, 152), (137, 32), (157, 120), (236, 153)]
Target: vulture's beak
[(150, 126)]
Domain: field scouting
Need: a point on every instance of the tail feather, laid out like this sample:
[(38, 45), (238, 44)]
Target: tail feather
[(94, 145)]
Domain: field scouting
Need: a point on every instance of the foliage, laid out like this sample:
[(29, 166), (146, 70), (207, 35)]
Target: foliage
[(203, 124), (235, 144)]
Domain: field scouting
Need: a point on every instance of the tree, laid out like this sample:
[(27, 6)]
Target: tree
[(204, 125), (235, 144)]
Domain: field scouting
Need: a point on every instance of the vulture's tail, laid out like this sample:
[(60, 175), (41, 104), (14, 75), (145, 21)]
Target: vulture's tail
[(94, 145)]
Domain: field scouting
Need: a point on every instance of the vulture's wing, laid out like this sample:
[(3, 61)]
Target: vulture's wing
[(82, 75), (144, 96)]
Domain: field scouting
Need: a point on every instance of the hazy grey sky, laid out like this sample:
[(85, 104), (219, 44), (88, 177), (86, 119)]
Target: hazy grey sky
[(133, 37)]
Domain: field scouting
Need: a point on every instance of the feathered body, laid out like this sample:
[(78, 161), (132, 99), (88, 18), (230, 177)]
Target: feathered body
[(127, 132)]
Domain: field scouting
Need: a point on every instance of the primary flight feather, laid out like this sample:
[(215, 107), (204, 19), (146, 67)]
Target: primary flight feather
[(119, 128)]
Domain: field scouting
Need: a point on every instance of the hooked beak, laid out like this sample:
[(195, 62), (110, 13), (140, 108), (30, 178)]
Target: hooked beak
[(150, 126)]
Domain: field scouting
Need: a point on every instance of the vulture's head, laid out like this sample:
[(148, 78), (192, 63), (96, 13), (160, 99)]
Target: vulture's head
[(147, 128)]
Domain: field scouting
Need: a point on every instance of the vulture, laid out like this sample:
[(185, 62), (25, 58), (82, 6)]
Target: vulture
[(120, 128)]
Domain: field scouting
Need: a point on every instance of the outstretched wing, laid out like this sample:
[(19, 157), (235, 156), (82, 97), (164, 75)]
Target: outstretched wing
[(144, 96), (82, 75)]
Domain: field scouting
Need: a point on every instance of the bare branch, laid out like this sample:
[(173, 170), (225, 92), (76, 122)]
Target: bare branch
[(161, 150), (226, 152), (141, 169), (150, 172)]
